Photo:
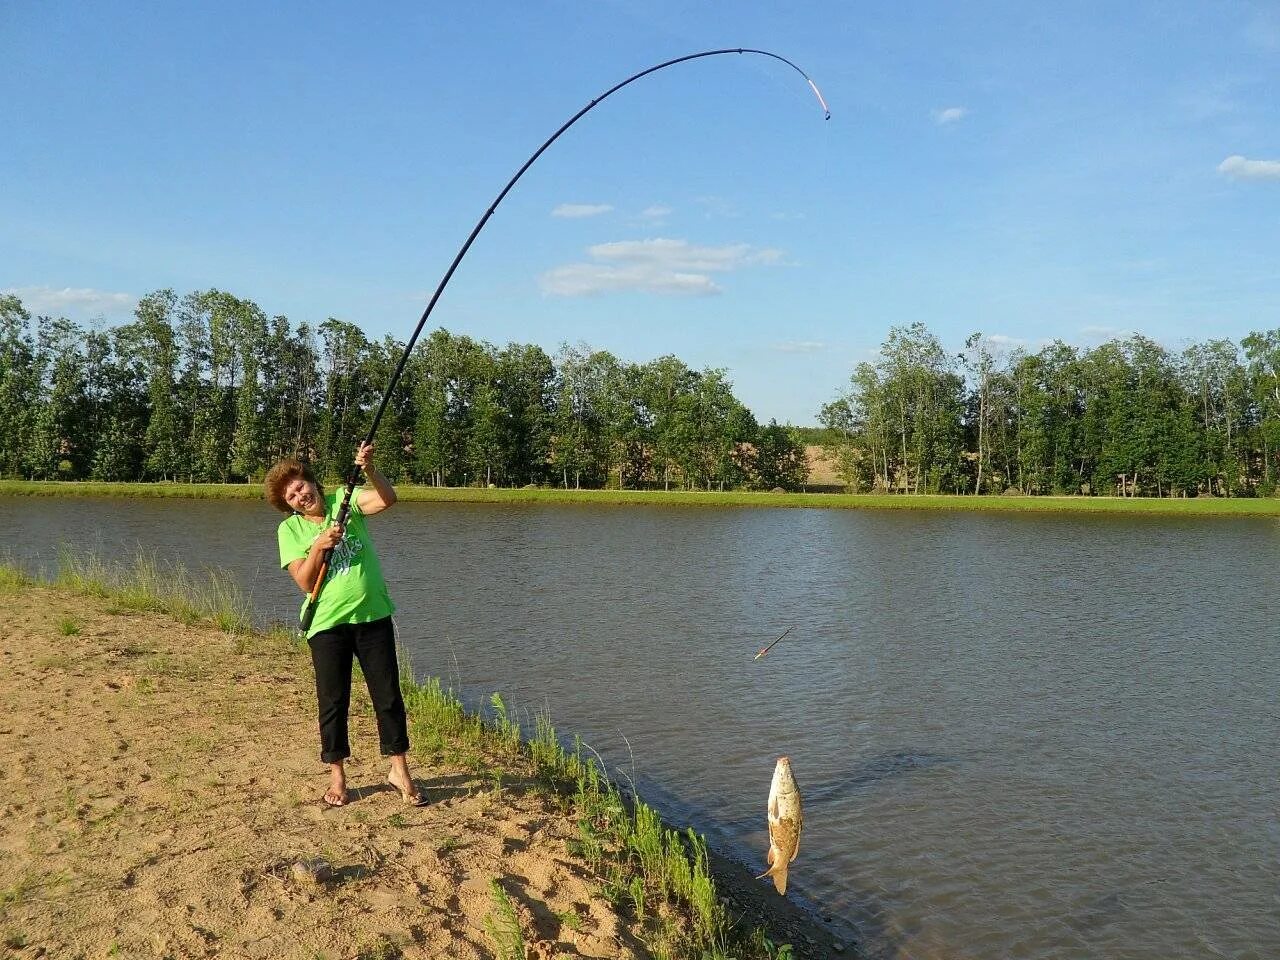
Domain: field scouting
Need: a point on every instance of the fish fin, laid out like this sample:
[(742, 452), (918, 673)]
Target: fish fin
[(796, 850), (772, 855), (779, 874)]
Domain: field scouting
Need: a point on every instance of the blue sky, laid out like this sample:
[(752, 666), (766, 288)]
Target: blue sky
[(1032, 171)]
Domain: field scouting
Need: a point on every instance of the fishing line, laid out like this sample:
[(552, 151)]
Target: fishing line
[(313, 598)]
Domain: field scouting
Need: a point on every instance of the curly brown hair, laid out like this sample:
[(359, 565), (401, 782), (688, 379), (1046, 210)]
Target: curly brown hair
[(283, 474)]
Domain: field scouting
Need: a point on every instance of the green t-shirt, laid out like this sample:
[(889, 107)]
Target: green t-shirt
[(354, 591)]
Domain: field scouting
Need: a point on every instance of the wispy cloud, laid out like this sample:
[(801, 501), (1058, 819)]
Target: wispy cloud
[(576, 211), (946, 115), (1001, 340), (800, 346), (1240, 168), (79, 300), (663, 266), (659, 211)]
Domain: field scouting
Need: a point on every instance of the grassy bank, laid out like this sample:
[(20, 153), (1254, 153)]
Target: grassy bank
[(1194, 506), (657, 881)]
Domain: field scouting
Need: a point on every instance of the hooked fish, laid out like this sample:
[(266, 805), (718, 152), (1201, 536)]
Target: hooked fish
[(785, 821)]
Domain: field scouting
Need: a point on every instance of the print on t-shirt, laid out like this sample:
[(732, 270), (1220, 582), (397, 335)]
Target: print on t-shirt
[(343, 553)]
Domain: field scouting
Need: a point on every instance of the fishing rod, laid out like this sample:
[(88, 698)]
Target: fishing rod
[(313, 598)]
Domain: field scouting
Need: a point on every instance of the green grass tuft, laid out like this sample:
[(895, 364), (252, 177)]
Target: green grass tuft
[(147, 585), (503, 925)]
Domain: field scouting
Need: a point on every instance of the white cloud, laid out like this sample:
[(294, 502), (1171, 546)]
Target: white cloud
[(1239, 168), (1000, 340), (800, 346), (82, 300), (588, 279), (673, 267), (576, 211), (658, 211), (948, 115)]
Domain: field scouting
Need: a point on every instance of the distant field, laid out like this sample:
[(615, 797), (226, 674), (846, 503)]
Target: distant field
[(822, 471), (1207, 506)]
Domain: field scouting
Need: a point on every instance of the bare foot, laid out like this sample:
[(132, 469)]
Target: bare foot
[(336, 795), (408, 789)]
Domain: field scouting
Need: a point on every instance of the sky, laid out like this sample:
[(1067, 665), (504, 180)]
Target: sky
[(1076, 171)]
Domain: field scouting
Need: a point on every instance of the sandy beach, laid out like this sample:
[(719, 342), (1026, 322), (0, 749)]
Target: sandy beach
[(161, 799)]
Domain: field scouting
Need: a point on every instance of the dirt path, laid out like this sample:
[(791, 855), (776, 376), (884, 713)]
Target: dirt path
[(160, 788)]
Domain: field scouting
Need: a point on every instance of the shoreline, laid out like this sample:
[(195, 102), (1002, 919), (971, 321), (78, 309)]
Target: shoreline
[(988, 503), (197, 841)]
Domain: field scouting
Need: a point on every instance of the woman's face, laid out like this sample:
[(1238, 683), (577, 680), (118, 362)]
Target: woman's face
[(302, 496)]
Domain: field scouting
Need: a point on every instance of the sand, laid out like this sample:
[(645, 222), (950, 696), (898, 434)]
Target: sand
[(160, 799)]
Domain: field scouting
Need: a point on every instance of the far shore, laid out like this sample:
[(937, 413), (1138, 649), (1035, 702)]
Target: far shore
[(1182, 506)]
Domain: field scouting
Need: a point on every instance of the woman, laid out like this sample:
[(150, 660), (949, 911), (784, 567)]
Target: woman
[(353, 616)]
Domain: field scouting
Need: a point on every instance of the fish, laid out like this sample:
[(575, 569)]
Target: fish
[(785, 822)]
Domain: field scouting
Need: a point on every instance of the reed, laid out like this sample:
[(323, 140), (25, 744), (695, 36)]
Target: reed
[(146, 584)]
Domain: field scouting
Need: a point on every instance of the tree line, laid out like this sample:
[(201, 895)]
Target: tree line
[(1126, 418), (208, 388)]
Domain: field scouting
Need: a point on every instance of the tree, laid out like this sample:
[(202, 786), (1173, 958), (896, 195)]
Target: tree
[(1262, 351), (155, 347), (20, 388), (667, 386), (1219, 382), (978, 361), (575, 447), (524, 376), (924, 394), (340, 419), (780, 459), (61, 443)]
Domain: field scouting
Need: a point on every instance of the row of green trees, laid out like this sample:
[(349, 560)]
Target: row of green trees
[(1128, 417), (208, 388)]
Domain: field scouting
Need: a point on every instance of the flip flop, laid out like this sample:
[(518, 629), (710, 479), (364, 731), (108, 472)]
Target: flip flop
[(331, 803)]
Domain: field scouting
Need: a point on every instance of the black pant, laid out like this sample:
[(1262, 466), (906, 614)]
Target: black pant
[(374, 645)]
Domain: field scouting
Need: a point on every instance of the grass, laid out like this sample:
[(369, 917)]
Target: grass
[(503, 925), (1192, 506), (145, 584), (661, 876), (13, 577)]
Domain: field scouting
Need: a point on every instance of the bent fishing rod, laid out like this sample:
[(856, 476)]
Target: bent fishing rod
[(313, 597)]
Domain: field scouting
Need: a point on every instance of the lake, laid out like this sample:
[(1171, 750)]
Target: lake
[(1016, 736)]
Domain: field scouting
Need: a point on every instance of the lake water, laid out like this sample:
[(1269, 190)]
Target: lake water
[(1016, 736)]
